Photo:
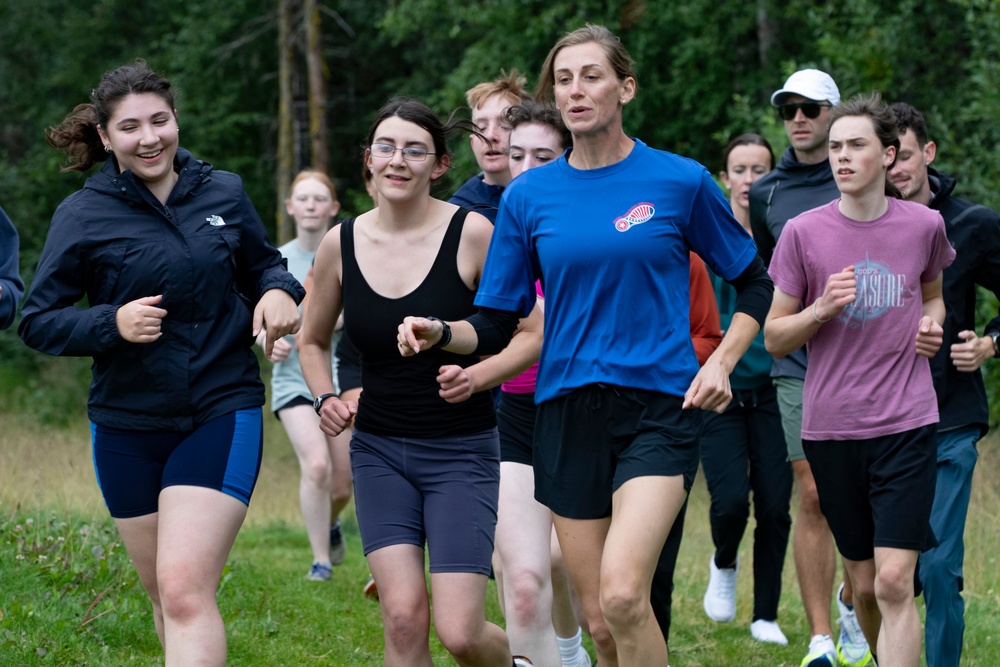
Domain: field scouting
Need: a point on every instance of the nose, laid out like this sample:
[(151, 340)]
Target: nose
[(148, 134), (397, 157)]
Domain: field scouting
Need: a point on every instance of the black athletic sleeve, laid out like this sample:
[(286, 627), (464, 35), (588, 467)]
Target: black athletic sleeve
[(754, 291), (494, 328)]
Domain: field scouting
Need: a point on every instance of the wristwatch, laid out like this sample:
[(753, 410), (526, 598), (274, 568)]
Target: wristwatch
[(445, 331), (318, 401), (996, 347)]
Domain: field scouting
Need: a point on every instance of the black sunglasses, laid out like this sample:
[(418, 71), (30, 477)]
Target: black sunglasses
[(809, 109)]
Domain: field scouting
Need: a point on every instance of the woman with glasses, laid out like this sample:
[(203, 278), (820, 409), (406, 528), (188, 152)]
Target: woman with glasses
[(607, 228), (425, 470)]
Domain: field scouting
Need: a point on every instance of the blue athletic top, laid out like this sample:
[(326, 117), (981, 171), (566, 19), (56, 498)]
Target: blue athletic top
[(610, 246)]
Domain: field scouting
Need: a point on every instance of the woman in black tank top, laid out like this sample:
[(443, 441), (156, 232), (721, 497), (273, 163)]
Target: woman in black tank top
[(425, 469)]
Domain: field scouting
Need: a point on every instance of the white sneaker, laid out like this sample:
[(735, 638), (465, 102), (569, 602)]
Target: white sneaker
[(852, 647), (767, 631), (582, 659), (720, 598), (822, 652)]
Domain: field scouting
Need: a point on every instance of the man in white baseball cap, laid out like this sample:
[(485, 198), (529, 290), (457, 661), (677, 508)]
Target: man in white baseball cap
[(804, 180)]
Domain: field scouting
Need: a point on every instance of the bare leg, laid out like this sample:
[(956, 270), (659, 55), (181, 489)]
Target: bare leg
[(399, 575), (643, 509), (861, 574), (523, 534), (315, 485), (197, 528), (815, 558), (899, 640), (460, 621), (139, 536)]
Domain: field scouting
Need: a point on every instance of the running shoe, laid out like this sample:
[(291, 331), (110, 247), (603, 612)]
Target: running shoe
[(720, 597), (521, 661), (767, 632), (852, 647), (371, 590), (320, 572), (337, 547), (822, 652)]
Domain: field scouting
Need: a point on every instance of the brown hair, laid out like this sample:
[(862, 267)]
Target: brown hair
[(77, 134), (620, 60), (883, 122)]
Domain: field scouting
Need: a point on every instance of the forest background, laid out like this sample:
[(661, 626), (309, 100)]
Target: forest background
[(706, 69)]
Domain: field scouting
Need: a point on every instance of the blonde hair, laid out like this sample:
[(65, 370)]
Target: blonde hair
[(619, 59), (305, 175), (510, 86)]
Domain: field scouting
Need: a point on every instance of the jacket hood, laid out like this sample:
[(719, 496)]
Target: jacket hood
[(807, 174), (942, 186), (191, 173)]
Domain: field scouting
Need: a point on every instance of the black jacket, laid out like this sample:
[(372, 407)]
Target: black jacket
[(974, 231), (776, 197), (206, 252)]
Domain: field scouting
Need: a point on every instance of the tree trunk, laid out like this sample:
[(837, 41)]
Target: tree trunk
[(317, 88), (286, 138)]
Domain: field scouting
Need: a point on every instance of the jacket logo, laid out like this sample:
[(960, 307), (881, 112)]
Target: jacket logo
[(215, 221), (637, 215)]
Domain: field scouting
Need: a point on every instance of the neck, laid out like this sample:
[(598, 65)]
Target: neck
[(865, 207), (593, 152), (814, 156), (403, 215), (162, 188), (502, 178), (741, 214), (309, 240)]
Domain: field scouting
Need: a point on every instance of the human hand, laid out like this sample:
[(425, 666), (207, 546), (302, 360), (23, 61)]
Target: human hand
[(457, 384), (710, 388), (971, 354), (281, 349), (416, 334), (841, 289), (278, 313), (930, 337), (140, 321), (336, 415)]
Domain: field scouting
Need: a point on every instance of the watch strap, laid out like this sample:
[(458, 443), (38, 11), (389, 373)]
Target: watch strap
[(318, 401)]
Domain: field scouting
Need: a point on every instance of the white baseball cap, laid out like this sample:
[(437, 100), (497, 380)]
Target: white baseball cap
[(811, 84)]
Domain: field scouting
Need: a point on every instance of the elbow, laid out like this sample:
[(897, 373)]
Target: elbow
[(773, 346)]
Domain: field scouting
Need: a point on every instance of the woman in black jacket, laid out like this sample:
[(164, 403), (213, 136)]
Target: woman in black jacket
[(178, 276)]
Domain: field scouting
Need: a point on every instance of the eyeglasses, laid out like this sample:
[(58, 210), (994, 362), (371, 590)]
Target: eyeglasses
[(410, 153), (809, 109)]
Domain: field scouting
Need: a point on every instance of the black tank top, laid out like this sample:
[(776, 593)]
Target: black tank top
[(400, 395)]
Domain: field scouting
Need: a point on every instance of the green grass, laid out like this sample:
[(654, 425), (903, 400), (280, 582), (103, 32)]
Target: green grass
[(69, 596)]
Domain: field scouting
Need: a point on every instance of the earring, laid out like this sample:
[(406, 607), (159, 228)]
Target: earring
[(107, 148)]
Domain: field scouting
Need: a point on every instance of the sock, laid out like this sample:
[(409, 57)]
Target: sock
[(569, 647)]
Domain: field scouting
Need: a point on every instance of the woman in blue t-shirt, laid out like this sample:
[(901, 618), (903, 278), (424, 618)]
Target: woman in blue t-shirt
[(607, 228)]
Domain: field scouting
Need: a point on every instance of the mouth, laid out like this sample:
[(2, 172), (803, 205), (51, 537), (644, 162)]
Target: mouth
[(151, 155), (843, 171)]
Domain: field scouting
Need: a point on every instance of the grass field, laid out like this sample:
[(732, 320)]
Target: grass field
[(68, 595)]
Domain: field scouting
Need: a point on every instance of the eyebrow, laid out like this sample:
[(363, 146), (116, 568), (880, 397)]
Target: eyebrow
[(136, 120), (390, 140)]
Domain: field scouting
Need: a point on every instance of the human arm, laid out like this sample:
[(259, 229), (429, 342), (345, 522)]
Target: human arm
[(458, 384), (315, 339), (11, 285), (758, 221), (710, 389), (930, 334), (788, 328)]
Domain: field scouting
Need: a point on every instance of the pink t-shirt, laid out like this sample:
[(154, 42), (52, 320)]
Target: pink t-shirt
[(865, 378), (525, 382)]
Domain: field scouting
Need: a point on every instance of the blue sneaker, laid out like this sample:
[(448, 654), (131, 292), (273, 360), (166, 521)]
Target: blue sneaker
[(337, 548), (852, 647), (320, 572), (822, 653)]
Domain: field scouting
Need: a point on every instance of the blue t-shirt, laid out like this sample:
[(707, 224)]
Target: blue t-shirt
[(610, 246)]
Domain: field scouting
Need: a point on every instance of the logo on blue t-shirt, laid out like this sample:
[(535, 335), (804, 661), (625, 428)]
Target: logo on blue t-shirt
[(879, 289), (636, 215)]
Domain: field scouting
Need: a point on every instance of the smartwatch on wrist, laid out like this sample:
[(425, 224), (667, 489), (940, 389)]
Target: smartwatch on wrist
[(445, 332), (318, 401)]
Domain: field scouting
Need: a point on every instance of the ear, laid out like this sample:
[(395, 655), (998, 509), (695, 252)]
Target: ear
[(628, 90), (930, 151), (724, 177), (334, 208), (442, 165), (288, 206), (368, 160), (890, 156), (103, 135)]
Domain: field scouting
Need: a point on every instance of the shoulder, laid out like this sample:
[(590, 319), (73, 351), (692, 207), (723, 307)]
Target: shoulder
[(477, 229)]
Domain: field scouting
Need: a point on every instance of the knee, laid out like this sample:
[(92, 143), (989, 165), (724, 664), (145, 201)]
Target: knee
[(730, 508), (600, 633), (863, 594), (894, 584), (340, 493), (316, 471), (179, 602), (460, 640), (622, 606), (405, 625), (525, 607)]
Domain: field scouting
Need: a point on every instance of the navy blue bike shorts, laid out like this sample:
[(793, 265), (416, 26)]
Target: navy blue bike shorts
[(134, 466), (442, 491)]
